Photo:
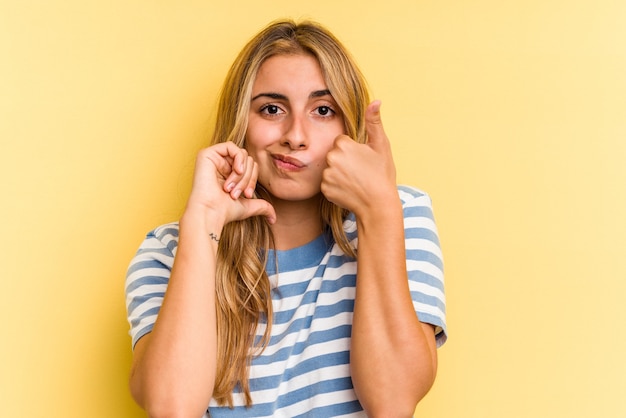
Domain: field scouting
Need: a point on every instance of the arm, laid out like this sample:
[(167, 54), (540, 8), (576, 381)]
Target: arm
[(173, 370), (393, 354), (173, 367), (393, 357)]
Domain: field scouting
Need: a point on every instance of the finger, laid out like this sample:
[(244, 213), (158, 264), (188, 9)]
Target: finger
[(239, 161), (249, 190), (232, 158), (239, 169), (341, 147), (221, 163), (243, 183), (234, 154), (374, 125)]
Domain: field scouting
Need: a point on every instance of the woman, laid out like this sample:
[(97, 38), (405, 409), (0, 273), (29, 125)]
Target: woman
[(261, 311)]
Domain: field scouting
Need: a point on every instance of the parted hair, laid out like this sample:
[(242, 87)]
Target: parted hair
[(243, 291)]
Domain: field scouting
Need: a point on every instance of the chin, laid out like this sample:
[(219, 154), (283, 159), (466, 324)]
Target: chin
[(293, 194)]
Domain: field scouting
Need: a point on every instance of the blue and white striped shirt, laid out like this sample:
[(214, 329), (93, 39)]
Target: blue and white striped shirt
[(304, 371)]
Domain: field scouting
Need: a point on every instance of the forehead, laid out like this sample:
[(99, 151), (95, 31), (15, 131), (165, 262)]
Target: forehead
[(290, 71)]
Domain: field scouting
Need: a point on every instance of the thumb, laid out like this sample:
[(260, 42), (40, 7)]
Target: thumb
[(260, 207), (374, 124)]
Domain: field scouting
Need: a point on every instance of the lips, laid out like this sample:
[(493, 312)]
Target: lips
[(287, 162)]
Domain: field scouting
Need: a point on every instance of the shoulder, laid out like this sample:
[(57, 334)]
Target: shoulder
[(166, 234), (416, 203), (147, 278), (409, 196), (412, 195), (157, 249)]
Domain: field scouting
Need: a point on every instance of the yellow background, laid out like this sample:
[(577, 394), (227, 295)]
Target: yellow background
[(512, 115)]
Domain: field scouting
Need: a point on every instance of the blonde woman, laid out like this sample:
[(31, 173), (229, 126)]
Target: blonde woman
[(300, 280)]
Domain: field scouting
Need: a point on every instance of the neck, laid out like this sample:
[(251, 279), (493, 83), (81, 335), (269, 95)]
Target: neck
[(297, 223)]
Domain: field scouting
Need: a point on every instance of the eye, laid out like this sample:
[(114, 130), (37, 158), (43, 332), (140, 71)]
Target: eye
[(271, 110), (325, 111)]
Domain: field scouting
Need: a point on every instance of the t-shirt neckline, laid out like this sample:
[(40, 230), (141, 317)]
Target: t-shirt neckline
[(307, 255)]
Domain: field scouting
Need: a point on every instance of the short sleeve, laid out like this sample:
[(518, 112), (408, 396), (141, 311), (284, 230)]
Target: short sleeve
[(424, 260), (147, 278)]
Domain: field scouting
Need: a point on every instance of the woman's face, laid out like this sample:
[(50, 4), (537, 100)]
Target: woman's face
[(292, 125)]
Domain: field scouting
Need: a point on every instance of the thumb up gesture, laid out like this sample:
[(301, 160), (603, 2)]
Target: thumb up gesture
[(360, 177)]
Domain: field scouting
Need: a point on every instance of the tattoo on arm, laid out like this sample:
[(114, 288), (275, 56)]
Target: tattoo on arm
[(214, 237)]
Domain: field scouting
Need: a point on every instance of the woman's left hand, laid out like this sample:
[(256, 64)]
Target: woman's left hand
[(361, 176)]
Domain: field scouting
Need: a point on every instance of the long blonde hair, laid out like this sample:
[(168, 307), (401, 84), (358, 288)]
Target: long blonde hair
[(242, 285)]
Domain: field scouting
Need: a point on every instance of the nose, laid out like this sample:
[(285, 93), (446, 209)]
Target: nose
[(295, 136)]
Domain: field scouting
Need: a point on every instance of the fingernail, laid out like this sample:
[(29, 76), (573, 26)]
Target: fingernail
[(230, 186), (236, 194)]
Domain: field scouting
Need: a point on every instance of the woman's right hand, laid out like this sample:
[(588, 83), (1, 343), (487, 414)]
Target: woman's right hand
[(175, 365), (223, 185)]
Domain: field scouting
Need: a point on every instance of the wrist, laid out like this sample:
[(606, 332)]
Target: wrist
[(380, 211), (209, 221)]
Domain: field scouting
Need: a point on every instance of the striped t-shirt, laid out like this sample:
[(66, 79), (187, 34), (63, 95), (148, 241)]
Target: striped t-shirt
[(304, 371)]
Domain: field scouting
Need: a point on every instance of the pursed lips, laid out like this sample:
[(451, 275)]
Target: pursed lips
[(287, 162)]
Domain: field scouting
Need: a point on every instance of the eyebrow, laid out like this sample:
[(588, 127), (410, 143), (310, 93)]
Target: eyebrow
[(320, 93), (278, 96)]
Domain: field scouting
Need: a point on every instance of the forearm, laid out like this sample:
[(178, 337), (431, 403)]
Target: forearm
[(174, 368), (393, 357)]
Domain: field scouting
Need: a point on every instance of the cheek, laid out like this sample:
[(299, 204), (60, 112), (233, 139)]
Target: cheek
[(327, 146), (253, 141), (259, 136)]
